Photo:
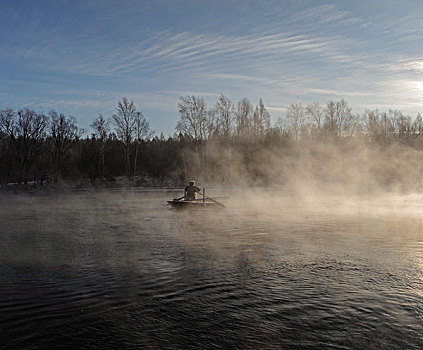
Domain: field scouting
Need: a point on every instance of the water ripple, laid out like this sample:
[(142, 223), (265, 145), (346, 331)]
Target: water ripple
[(121, 271)]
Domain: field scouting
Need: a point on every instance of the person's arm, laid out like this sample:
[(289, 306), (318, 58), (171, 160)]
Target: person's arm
[(185, 193)]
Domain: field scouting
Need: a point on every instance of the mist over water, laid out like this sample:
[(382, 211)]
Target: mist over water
[(113, 269)]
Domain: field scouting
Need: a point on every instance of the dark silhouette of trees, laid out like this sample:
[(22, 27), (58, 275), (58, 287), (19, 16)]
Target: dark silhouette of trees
[(63, 134), (6, 159), (142, 132), (101, 128), (125, 120), (26, 130), (231, 141)]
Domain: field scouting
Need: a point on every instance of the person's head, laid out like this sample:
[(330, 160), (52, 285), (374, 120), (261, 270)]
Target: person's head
[(192, 183)]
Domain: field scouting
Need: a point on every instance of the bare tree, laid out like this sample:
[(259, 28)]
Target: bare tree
[(142, 132), (101, 127), (26, 129), (330, 117), (315, 114), (213, 126), (64, 133), (8, 121), (339, 120), (225, 115), (371, 122), (125, 120), (386, 124), (261, 120), (296, 118), (243, 116), (194, 121), (418, 124), (377, 126), (401, 123), (344, 118), (193, 117), (282, 127)]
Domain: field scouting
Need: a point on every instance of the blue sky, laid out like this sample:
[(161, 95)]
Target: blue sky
[(82, 57)]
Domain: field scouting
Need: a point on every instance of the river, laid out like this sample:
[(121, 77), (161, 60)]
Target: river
[(120, 270)]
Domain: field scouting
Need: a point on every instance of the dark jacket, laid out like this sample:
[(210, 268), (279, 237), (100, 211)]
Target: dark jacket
[(190, 192)]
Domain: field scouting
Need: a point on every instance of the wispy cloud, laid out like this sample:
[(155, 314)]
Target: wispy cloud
[(276, 109), (167, 51), (339, 93)]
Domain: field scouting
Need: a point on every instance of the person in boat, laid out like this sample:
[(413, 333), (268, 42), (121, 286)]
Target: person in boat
[(190, 191)]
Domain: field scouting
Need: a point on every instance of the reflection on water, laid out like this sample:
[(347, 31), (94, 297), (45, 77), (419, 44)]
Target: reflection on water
[(121, 270)]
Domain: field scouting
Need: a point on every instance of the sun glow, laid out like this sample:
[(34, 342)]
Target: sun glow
[(418, 85)]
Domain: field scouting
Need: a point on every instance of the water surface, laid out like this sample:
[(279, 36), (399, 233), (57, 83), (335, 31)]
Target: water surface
[(123, 271)]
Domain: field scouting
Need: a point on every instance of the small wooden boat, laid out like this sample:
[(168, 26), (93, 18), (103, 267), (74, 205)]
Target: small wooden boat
[(197, 204), (205, 202)]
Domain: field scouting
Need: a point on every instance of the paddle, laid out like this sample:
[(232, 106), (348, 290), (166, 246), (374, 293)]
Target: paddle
[(218, 203)]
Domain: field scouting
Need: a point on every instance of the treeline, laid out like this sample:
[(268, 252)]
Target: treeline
[(224, 143)]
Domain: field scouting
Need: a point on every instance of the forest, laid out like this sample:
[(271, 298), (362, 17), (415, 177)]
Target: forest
[(313, 147)]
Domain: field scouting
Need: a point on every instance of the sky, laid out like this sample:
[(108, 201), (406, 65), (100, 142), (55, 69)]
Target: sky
[(80, 57)]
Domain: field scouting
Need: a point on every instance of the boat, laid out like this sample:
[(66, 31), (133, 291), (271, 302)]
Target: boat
[(205, 202), (197, 204)]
